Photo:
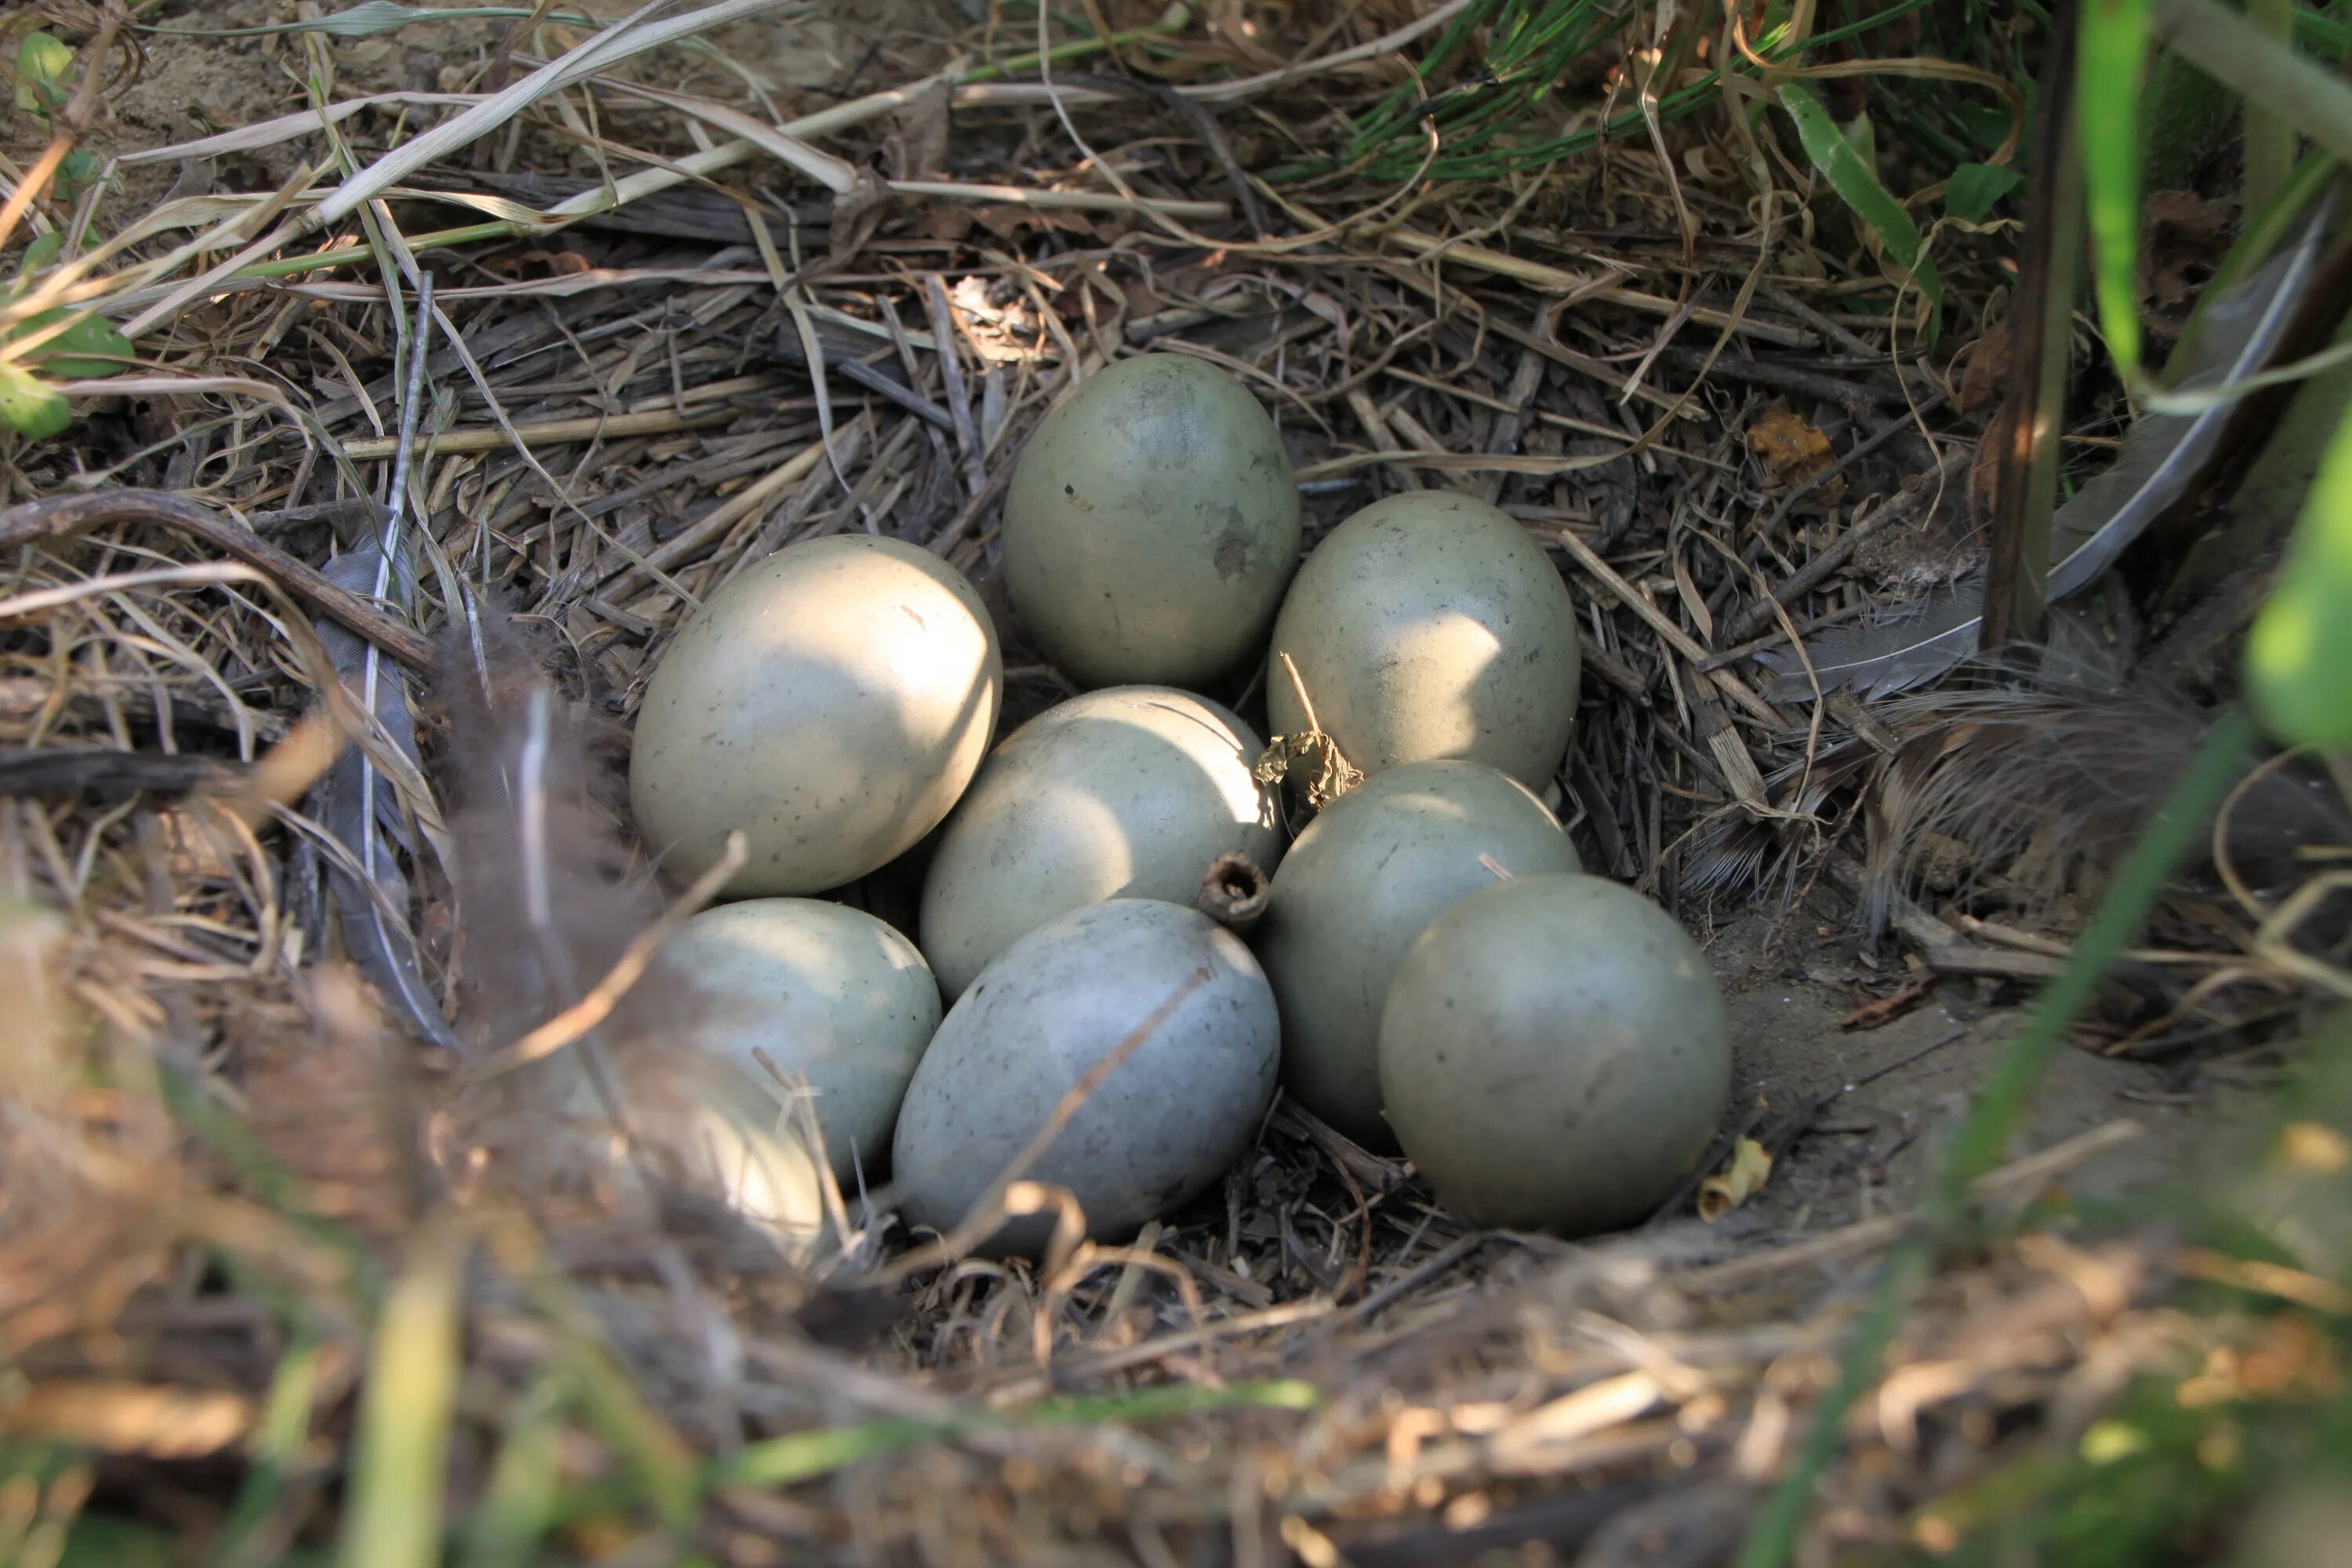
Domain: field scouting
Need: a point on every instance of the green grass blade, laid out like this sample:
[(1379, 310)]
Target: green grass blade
[(276, 1455), (2299, 654), (2111, 51), (1174, 1399), (519, 1505), (803, 1455), (374, 16), (1175, 20), (2261, 69), (1994, 1116), (2270, 140), (1901, 252), (402, 1446), (98, 1541), (657, 1460)]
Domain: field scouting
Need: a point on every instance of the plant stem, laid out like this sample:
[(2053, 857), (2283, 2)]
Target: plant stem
[(2259, 69), (2270, 139), (1978, 1145), (2017, 570), (1178, 19)]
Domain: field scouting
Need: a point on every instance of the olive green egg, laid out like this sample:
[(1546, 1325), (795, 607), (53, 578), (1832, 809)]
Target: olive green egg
[(1125, 792), (1555, 1055), (1361, 882), (1429, 625), (1151, 523), (831, 701), (827, 996)]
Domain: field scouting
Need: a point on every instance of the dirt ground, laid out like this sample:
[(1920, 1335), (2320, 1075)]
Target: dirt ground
[(1898, 1090), (194, 82)]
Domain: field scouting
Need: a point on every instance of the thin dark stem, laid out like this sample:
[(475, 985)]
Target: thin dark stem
[(2017, 562)]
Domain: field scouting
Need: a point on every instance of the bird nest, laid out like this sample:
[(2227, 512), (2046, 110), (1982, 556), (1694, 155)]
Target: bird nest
[(274, 1273)]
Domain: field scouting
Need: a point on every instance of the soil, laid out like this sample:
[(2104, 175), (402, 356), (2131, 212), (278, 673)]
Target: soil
[(191, 87), (194, 86), (1871, 1146)]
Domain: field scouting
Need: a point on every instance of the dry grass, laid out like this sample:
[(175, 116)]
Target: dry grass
[(265, 1265)]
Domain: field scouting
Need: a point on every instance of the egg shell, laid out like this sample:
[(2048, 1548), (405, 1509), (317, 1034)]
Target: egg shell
[(686, 1121), (1127, 793), (761, 1170), (1164, 1122), (1363, 880), (1151, 525), (1426, 626), (827, 994), (1555, 1055), (831, 701)]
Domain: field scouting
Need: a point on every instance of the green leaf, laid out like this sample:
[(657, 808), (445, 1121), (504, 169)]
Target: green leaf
[(2110, 52), (30, 404), (80, 171), (517, 1507), (42, 254), (41, 65), (2270, 140), (392, 1516), (1975, 188), (1986, 123), (2300, 649), (69, 355), (1900, 253)]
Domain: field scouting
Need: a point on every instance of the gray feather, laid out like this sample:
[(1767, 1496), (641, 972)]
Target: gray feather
[(2160, 460), (1917, 643), (359, 808)]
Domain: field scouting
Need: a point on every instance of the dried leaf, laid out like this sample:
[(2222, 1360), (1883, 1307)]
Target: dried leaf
[(1988, 371), (1793, 451), (1737, 1182)]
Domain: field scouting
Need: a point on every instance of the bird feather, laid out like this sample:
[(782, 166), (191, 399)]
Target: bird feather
[(357, 805), (361, 810), (2161, 459)]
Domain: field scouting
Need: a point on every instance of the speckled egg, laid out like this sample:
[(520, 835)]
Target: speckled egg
[(1177, 992), (1363, 880), (1426, 626), (831, 701), (827, 995), (1555, 1055), (1127, 792), (1151, 525)]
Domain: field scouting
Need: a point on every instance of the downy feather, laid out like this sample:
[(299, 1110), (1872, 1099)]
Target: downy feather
[(2161, 457)]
